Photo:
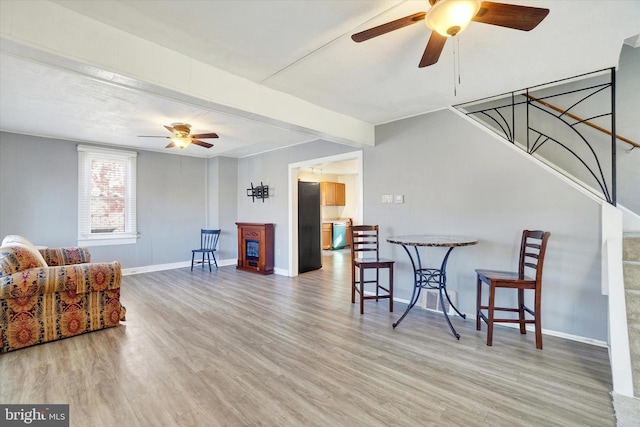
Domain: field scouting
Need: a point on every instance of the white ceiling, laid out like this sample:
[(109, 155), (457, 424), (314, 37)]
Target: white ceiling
[(301, 48)]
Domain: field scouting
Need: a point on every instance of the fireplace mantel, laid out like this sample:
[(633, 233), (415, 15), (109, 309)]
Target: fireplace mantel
[(255, 247)]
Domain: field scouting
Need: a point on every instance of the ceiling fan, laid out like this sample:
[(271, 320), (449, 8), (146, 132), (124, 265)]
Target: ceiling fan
[(447, 18), (182, 136)]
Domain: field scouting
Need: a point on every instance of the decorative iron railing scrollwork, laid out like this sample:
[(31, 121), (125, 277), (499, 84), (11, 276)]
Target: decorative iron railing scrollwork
[(560, 136)]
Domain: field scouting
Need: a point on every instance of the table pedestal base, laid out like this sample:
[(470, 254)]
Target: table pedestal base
[(430, 278)]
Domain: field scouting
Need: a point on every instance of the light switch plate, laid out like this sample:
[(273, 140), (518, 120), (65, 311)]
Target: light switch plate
[(387, 198), (399, 198)]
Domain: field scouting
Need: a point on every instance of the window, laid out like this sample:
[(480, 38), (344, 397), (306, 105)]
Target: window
[(106, 196)]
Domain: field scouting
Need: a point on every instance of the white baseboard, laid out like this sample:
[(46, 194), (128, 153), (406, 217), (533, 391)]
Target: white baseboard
[(183, 264), (170, 266), (577, 338), (281, 271)]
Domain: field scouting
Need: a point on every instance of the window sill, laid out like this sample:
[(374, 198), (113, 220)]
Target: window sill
[(108, 241)]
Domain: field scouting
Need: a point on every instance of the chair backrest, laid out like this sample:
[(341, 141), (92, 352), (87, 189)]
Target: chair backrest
[(209, 239), (532, 250), (364, 241)]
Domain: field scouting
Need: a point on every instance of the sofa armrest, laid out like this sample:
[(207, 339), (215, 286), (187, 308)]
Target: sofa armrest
[(76, 278), (65, 256)]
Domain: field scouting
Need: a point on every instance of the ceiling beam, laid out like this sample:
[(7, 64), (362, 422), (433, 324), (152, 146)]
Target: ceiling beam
[(53, 35)]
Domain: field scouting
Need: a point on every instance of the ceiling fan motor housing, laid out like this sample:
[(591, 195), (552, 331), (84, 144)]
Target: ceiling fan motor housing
[(181, 129), (447, 18)]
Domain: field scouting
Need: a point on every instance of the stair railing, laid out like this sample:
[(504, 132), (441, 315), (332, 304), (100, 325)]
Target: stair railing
[(563, 139)]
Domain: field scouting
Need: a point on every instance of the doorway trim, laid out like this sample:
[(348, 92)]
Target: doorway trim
[(293, 199)]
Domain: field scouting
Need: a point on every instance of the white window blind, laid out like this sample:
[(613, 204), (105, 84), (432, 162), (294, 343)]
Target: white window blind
[(106, 196)]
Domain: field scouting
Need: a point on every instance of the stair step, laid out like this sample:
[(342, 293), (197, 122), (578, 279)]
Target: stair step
[(631, 247), (634, 347), (631, 274), (631, 266), (633, 308)]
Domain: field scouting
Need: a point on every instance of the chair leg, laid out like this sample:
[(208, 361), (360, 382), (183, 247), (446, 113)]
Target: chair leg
[(538, 334), (523, 329), (391, 288), (377, 284), (361, 290), (209, 260), (353, 283), (538, 322), (213, 254), (478, 301), (492, 297), (193, 254)]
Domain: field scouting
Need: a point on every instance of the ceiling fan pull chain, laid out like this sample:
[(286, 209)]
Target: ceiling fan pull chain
[(455, 73), (456, 65), (454, 68), (458, 43)]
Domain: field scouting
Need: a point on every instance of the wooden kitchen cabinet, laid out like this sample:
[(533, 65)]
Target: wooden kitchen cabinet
[(340, 194), (332, 194), (327, 235)]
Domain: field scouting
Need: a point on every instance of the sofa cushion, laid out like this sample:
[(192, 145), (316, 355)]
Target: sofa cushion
[(14, 239), (65, 256), (18, 257)]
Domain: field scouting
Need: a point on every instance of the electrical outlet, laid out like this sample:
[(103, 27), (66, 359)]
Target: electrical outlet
[(387, 198), (399, 198)]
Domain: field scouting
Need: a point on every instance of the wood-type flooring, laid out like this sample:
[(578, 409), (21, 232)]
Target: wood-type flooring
[(231, 348)]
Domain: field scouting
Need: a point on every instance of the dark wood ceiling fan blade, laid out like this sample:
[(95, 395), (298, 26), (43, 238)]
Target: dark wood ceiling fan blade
[(206, 135), (171, 145), (524, 18), (433, 50), (388, 27), (201, 143)]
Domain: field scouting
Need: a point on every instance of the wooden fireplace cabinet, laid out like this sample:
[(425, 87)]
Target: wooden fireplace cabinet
[(255, 247)]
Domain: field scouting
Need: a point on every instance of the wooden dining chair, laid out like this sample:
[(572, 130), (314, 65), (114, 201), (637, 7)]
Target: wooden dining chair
[(364, 256), (208, 247), (528, 277)]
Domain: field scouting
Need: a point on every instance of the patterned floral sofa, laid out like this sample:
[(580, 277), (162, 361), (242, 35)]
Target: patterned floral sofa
[(50, 294)]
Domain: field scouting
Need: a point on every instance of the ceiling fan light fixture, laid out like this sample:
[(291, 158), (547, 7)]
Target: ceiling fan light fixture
[(181, 141), (450, 17)]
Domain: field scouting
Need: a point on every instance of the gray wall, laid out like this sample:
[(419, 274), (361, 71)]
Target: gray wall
[(39, 199), (456, 179), (627, 108), (223, 204), (627, 112), (39, 189), (272, 169), (459, 180)]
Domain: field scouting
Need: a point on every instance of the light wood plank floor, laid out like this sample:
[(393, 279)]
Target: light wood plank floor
[(231, 348)]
